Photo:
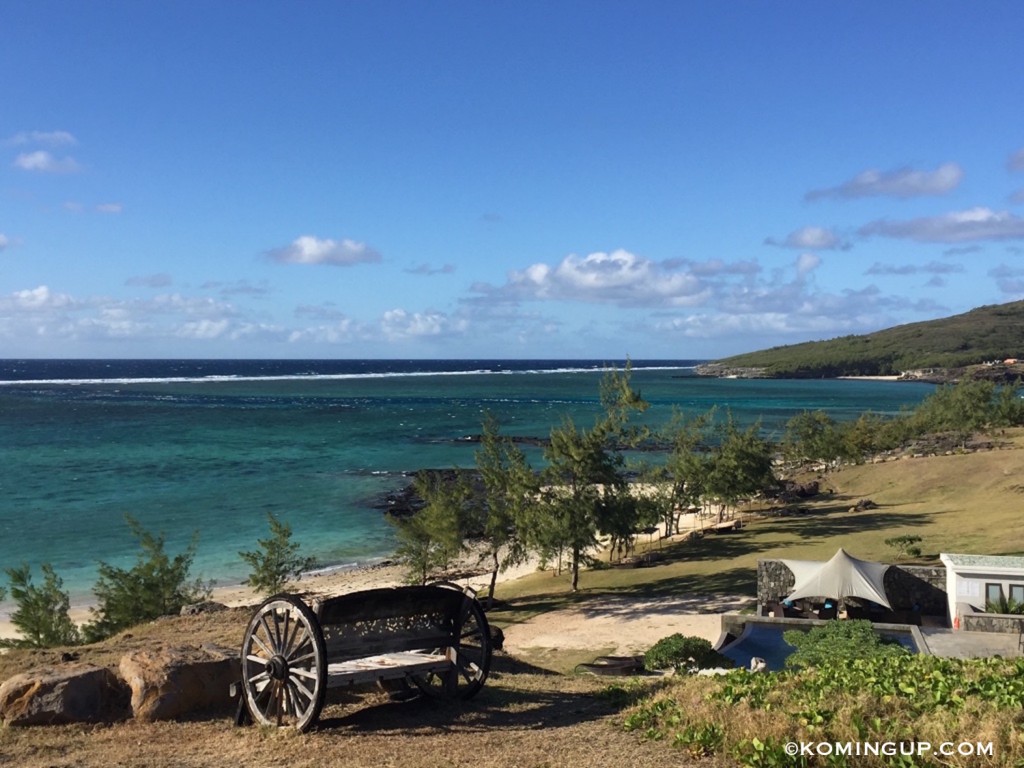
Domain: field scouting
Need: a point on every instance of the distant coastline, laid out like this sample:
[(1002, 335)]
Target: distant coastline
[(1000, 373)]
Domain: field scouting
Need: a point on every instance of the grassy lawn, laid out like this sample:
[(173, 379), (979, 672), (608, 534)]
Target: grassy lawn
[(963, 503)]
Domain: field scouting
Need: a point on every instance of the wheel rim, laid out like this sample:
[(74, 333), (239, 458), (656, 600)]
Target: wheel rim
[(284, 664), (471, 656)]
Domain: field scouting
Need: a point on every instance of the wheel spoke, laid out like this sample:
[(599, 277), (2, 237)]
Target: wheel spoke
[(465, 669), (261, 677), (270, 691), (267, 650), (294, 647), (285, 639), (269, 634), (306, 673), (291, 706), (278, 645), (298, 687), (302, 659)]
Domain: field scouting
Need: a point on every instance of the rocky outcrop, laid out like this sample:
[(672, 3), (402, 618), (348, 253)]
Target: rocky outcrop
[(205, 606), (78, 693), (722, 371), (863, 505), (167, 683)]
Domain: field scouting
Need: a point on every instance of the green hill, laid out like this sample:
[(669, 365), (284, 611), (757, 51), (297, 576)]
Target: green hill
[(994, 332)]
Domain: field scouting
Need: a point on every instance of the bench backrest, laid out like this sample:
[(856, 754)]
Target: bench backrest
[(388, 620)]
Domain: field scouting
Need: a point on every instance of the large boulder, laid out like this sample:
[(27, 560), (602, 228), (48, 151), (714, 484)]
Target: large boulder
[(78, 693), (167, 683)]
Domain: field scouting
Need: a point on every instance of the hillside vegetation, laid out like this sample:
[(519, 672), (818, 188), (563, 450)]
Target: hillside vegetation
[(984, 334)]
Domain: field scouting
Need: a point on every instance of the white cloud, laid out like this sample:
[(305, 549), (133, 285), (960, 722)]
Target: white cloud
[(203, 329), (902, 183), (399, 325), (110, 208), (42, 161), (972, 225), (619, 277), (46, 138), (159, 280), (1010, 280), (932, 267), (342, 330), (238, 288), (428, 271), (1015, 162), (199, 322), (814, 238), (39, 298), (312, 250), (790, 309), (715, 267), (807, 263), (4, 241)]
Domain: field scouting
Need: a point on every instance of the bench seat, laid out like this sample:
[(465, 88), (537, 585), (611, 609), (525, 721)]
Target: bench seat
[(388, 666)]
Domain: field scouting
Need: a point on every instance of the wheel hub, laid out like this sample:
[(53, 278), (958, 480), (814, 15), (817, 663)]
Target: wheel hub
[(277, 667)]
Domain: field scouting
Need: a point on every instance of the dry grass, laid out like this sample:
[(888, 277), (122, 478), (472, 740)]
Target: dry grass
[(522, 717)]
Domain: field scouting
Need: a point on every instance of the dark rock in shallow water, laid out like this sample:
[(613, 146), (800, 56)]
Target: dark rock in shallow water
[(406, 502)]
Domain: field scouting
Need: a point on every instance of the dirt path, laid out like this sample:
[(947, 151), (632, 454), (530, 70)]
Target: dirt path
[(628, 625)]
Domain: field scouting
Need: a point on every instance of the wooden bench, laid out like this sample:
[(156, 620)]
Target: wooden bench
[(434, 637)]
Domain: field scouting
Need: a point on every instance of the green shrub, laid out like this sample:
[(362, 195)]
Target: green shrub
[(1005, 605), (678, 651), (839, 640), (905, 545), (42, 612), (157, 585), (277, 561)]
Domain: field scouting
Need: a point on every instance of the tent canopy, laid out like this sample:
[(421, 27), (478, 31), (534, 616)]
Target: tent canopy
[(842, 576)]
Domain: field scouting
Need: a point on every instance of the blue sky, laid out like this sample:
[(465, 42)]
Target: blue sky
[(480, 179)]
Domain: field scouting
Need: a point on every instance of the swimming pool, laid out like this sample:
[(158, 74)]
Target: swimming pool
[(764, 639)]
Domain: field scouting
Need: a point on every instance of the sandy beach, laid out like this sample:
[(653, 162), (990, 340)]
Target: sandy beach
[(870, 378)]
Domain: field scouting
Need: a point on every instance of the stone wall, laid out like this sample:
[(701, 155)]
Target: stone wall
[(917, 587), (909, 587), (977, 621)]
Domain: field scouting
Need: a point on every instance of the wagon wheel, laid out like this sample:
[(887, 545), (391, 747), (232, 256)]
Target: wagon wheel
[(284, 664), (471, 655)]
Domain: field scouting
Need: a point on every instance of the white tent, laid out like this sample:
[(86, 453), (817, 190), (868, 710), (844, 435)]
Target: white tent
[(842, 576)]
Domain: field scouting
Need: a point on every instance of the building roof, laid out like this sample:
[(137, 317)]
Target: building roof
[(983, 562)]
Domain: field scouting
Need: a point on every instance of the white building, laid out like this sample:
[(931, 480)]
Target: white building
[(975, 580)]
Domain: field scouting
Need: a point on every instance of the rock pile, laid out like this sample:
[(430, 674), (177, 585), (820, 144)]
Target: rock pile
[(164, 683)]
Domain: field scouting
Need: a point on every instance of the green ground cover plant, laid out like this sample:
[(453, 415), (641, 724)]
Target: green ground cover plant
[(750, 717), (839, 640)]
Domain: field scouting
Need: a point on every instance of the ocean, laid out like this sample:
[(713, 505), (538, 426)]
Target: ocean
[(209, 447)]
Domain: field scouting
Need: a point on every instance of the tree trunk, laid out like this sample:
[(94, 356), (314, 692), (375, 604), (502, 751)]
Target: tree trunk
[(575, 569), (494, 578)]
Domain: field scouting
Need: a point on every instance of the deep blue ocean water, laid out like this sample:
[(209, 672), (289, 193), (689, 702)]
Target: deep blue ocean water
[(212, 446)]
